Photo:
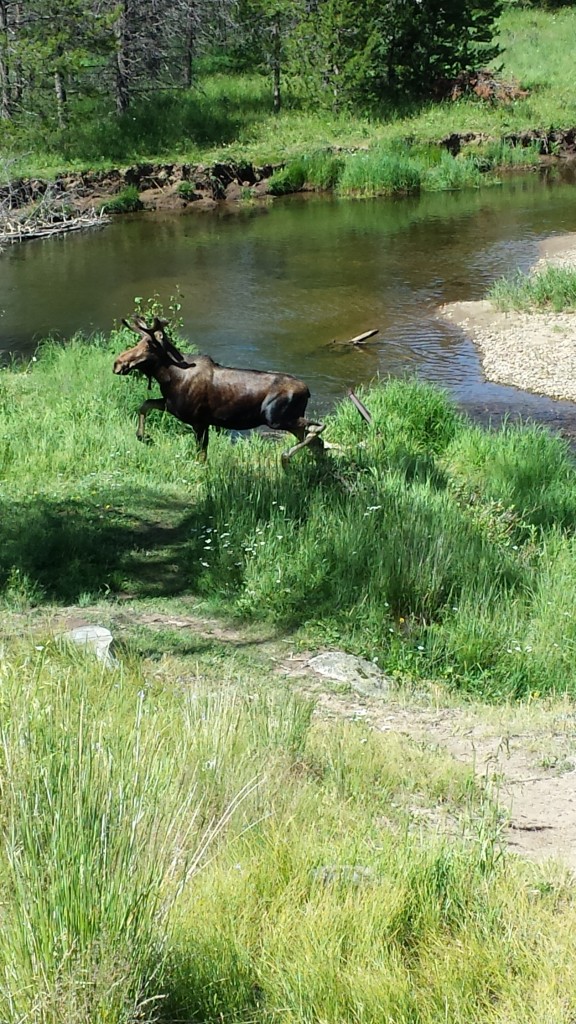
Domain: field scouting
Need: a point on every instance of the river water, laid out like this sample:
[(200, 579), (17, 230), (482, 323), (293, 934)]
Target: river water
[(270, 286)]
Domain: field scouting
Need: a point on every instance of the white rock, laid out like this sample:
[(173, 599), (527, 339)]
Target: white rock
[(97, 638), (363, 676)]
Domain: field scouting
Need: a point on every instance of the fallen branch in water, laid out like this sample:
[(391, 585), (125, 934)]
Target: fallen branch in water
[(357, 341), (11, 231)]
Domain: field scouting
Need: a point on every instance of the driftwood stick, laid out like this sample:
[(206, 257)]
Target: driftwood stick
[(358, 340), (360, 406)]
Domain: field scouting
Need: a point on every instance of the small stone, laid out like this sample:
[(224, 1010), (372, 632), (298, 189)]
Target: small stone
[(98, 638), (363, 676)]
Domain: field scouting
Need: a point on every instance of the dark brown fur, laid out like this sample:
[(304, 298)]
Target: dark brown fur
[(204, 394)]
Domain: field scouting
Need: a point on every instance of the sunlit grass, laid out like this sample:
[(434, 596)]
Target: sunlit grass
[(553, 288), (229, 116), (185, 851), (423, 541)]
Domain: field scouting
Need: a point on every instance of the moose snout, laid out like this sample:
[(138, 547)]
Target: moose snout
[(121, 367)]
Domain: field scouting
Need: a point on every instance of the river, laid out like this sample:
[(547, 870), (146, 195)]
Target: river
[(269, 286)]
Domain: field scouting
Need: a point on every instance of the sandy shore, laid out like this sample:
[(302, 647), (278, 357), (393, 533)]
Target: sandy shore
[(532, 351)]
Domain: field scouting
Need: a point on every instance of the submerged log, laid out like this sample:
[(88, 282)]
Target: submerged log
[(358, 341)]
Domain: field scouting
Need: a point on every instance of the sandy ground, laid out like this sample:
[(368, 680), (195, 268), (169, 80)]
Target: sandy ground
[(532, 351)]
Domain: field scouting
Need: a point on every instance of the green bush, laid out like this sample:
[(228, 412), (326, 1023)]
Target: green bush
[(127, 201)]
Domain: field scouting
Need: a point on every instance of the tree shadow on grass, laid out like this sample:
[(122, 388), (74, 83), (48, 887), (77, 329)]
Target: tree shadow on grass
[(142, 545), (63, 550)]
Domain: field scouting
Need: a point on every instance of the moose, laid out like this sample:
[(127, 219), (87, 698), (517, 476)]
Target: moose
[(204, 394)]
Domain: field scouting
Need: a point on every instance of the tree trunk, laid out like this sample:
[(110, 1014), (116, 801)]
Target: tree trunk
[(5, 105), (190, 41), (276, 63), (122, 74), (60, 91), (18, 86)]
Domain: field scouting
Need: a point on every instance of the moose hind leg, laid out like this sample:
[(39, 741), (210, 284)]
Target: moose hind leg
[(308, 434), (150, 403)]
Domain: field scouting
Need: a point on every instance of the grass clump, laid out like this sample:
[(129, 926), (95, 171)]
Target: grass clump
[(185, 189), (127, 201), (503, 155), (453, 173), (380, 172), (553, 288), (290, 179)]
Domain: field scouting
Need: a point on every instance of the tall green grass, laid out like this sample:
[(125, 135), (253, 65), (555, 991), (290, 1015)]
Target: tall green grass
[(553, 288), (100, 829), (399, 168), (424, 541), (330, 889)]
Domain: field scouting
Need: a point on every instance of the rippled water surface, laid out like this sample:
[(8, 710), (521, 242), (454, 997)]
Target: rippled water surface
[(270, 286)]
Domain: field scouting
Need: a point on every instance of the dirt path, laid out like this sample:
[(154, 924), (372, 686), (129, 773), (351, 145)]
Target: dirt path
[(525, 755), (527, 761)]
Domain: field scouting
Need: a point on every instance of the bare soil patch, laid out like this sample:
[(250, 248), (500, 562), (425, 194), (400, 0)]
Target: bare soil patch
[(532, 351), (527, 762)]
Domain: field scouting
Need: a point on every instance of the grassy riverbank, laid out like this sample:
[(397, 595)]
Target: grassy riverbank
[(443, 551), (553, 288), (345, 874), (228, 117)]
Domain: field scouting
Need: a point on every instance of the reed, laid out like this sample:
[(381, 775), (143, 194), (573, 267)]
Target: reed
[(553, 288), (380, 172)]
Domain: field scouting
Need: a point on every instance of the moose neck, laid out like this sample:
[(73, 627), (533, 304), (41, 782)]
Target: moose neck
[(167, 373)]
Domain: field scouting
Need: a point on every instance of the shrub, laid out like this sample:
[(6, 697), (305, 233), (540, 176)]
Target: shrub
[(127, 201)]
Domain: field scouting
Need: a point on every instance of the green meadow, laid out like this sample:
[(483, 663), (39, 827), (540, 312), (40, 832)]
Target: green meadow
[(184, 838), (441, 549)]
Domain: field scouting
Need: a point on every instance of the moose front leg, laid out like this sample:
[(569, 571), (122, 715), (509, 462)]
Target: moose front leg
[(150, 403), (202, 439)]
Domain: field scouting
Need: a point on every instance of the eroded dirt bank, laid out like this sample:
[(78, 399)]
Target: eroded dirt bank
[(175, 186), (172, 186)]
